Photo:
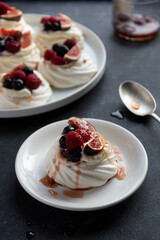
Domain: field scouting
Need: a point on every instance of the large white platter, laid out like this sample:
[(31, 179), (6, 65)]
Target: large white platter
[(93, 46), (30, 168)]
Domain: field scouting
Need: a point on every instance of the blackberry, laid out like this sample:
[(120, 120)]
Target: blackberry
[(47, 26), (7, 83), (9, 38), (2, 45), (60, 49), (68, 129), (27, 70), (56, 26), (62, 141), (75, 154), (17, 84)]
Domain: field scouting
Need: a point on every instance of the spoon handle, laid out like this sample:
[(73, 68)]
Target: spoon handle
[(156, 117)]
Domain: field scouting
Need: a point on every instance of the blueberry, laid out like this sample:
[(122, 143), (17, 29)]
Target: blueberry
[(9, 38), (75, 154), (68, 129), (27, 70), (7, 83), (1, 38), (62, 142), (2, 45), (56, 26), (47, 26), (17, 84), (60, 49)]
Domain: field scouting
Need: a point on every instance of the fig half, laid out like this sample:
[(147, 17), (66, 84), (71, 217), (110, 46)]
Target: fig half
[(65, 21), (93, 147), (13, 15), (73, 54)]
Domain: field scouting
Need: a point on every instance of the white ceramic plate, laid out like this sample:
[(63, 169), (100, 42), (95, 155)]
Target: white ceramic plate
[(94, 47), (30, 168)]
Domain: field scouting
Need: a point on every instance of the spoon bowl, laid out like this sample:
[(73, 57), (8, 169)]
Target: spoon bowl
[(138, 99)]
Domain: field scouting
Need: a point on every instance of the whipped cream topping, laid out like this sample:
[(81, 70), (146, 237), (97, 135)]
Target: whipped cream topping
[(10, 98), (29, 56), (91, 171), (68, 75), (45, 40), (20, 25)]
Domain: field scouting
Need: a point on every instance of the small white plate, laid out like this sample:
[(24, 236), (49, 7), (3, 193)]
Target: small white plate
[(30, 168), (93, 46)]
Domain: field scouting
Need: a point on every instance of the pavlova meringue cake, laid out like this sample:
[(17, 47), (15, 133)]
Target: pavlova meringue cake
[(57, 29), (81, 158), (23, 87), (12, 18), (66, 65), (17, 48)]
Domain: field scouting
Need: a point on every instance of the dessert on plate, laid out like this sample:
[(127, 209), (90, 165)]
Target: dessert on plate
[(17, 48), (66, 65), (23, 87), (82, 158), (57, 29), (12, 18)]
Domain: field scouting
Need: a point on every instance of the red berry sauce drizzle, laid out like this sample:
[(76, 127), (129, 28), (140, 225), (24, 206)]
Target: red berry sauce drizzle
[(136, 27)]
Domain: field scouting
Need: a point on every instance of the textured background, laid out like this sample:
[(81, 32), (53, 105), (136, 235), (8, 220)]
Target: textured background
[(137, 217)]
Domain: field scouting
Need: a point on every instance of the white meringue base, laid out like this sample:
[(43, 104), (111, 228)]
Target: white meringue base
[(68, 75), (29, 56), (81, 175)]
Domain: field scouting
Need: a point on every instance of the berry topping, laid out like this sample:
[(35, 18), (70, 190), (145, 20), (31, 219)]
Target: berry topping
[(7, 83), (3, 8), (60, 49), (17, 84), (27, 70), (2, 45), (75, 154), (32, 81), (73, 140), (48, 54), (56, 26), (44, 19), (12, 46), (70, 42), (18, 75), (57, 60), (85, 135), (62, 142), (68, 129)]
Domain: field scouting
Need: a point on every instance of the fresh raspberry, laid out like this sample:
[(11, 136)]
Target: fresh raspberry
[(18, 75), (73, 140), (53, 19), (57, 60), (32, 81), (45, 19), (3, 8), (12, 46), (70, 42), (48, 54), (85, 135)]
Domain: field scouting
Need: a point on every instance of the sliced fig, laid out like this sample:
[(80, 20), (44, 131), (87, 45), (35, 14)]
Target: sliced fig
[(73, 54), (26, 40), (93, 147), (13, 15), (82, 124), (65, 21)]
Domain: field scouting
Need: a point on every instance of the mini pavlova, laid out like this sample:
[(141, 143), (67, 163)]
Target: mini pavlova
[(23, 87), (66, 65)]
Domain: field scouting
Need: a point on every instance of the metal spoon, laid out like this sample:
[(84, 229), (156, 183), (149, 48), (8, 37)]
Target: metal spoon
[(138, 99)]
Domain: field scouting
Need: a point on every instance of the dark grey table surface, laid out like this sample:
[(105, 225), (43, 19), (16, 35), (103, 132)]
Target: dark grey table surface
[(138, 217)]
